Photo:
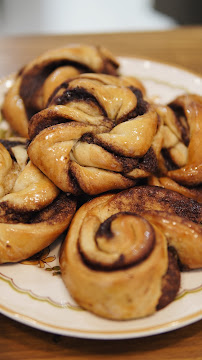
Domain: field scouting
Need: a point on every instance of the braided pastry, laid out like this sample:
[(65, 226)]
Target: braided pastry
[(33, 212), (118, 259), (191, 107), (182, 149), (97, 134), (37, 80), (180, 160)]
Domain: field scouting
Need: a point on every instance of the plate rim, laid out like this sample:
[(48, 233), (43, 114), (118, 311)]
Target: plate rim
[(101, 334), (162, 62)]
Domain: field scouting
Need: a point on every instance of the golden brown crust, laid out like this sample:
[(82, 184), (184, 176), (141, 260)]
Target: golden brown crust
[(166, 182), (83, 57), (117, 286), (119, 242), (146, 198), (191, 173), (35, 82), (183, 235), (182, 129), (180, 161), (14, 111), (18, 241), (33, 212), (98, 134)]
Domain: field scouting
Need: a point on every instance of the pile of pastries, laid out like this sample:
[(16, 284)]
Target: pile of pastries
[(92, 155)]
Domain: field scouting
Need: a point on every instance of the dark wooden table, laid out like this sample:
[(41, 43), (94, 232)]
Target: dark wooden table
[(182, 47)]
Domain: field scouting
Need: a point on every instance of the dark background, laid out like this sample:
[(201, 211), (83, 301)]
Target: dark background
[(185, 12)]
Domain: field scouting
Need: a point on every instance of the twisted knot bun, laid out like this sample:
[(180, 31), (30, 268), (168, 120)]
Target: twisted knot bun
[(97, 134), (190, 109), (38, 79), (180, 161), (33, 212), (119, 257)]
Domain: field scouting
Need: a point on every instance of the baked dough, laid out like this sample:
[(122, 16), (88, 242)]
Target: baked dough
[(33, 211), (180, 160), (114, 260), (168, 183), (39, 78), (182, 147), (97, 134)]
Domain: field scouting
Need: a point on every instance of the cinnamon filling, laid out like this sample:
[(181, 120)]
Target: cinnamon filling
[(142, 105), (9, 144), (51, 213), (77, 94), (156, 198), (128, 250), (33, 80), (181, 122), (148, 162), (168, 161), (170, 281)]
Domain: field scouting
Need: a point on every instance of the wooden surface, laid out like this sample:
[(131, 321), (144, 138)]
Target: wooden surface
[(183, 47), (18, 342)]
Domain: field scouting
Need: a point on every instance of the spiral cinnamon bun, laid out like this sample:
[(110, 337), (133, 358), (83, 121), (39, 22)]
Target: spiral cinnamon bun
[(38, 79), (97, 134), (33, 212), (119, 257)]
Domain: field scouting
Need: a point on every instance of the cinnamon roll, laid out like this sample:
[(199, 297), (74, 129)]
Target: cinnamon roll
[(39, 78), (97, 134), (33, 212), (120, 259)]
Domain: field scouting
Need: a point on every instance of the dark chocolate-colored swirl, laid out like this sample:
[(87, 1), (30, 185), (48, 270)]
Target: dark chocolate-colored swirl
[(76, 94), (60, 207), (9, 143), (121, 256), (102, 132), (181, 157), (33, 212), (143, 198), (78, 57), (170, 281), (34, 79), (181, 122), (121, 241), (37, 80), (142, 105)]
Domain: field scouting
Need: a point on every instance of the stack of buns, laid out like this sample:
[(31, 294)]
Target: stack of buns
[(94, 156)]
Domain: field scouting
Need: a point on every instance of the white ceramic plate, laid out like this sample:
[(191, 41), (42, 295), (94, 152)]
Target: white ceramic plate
[(34, 293)]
